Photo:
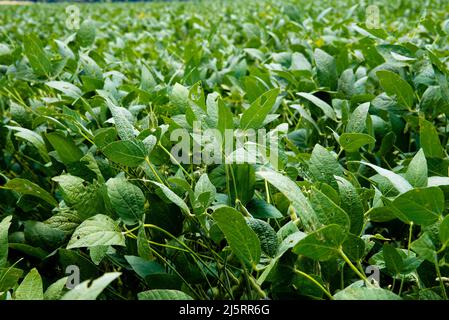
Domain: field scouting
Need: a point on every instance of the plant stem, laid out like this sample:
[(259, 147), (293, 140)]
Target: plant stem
[(319, 285), (409, 238), (351, 265), (153, 170), (443, 289), (175, 161)]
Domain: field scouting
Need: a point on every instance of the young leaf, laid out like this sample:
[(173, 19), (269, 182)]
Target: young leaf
[(241, 238)]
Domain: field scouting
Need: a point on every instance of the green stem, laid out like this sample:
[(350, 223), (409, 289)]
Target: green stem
[(401, 286), (443, 289), (175, 161), (319, 285), (147, 160), (409, 238), (351, 265)]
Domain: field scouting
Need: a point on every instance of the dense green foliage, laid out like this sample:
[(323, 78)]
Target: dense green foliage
[(360, 188)]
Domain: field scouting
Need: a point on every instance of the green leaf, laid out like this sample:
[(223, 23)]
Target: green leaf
[(323, 166), (260, 209), (86, 33), (254, 116), (351, 142), (86, 198), (327, 211), (99, 230), (122, 119), (66, 88), (88, 290), (354, 247), (245, 180), (294, 194), (27, 187), (127, 200), (163, 294), (144, 267), (416, 172), (129, 153), (4, 226), (352, 204), (105, 136), (31, 287), (326, 69), (396, 180), (393, 259), (173, 197), (34, 138), (326, 108), (9, 278), (225, 118), (143, 247), (323, 244), (36, 55), (422, 206), (364, 293), (241, 238), (67, 151), (425, 248), (397, 87), (357, 119), (429, 140), (42, 235), (56, 290)]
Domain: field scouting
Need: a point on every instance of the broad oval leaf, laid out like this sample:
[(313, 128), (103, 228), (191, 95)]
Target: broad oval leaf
[(99, 230), (241, 238)]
